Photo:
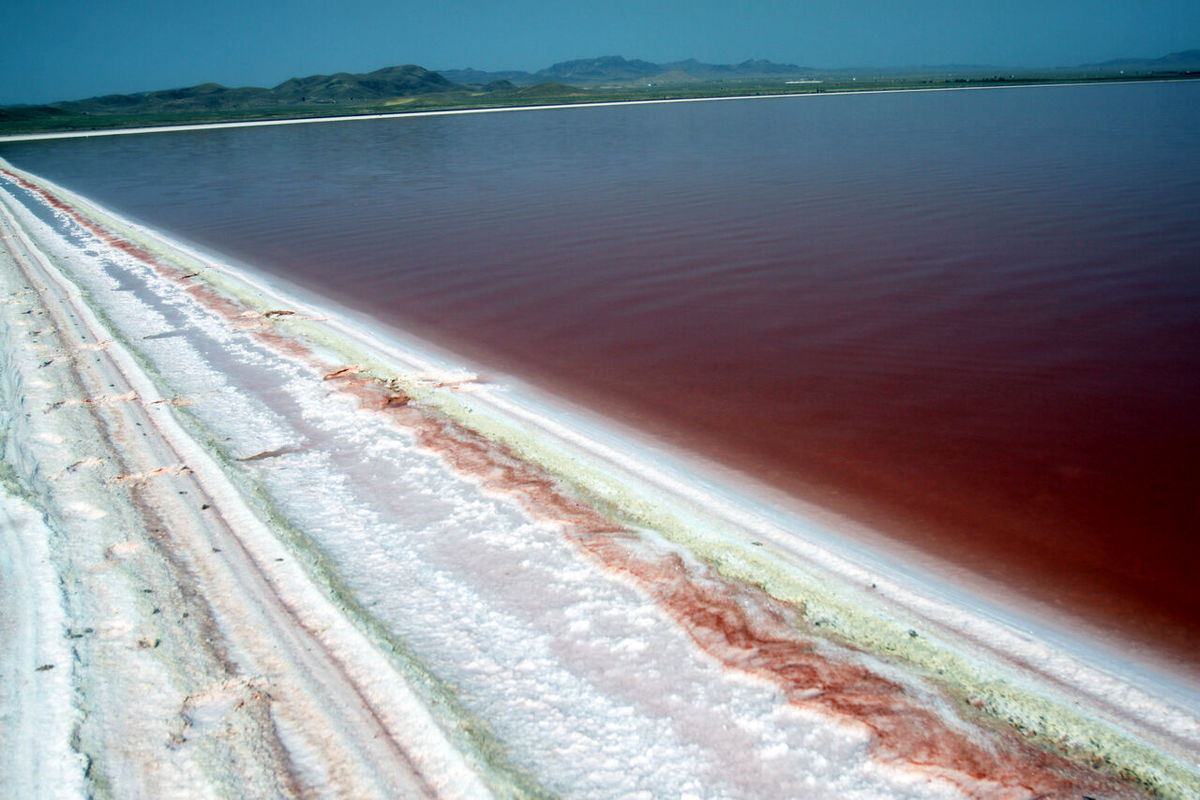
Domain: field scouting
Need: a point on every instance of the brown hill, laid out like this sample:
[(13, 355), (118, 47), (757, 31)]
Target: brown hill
[(341, 88)]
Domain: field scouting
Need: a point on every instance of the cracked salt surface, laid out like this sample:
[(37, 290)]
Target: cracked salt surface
[(570, 675)]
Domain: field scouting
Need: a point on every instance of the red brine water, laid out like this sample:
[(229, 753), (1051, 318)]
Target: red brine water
[(969, 319)]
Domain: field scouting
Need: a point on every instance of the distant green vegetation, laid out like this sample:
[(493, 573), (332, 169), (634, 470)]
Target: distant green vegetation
[(411, 88)]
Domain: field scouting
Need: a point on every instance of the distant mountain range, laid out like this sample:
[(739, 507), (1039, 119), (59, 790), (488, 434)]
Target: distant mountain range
[(345, 88), (340, 88), (1183, 61), (618, 70), (394, 84)]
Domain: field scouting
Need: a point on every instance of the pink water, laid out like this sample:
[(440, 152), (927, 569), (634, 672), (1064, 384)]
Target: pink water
[(969, 319)]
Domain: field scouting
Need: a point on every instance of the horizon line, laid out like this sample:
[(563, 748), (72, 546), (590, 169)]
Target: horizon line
[(26, 137)]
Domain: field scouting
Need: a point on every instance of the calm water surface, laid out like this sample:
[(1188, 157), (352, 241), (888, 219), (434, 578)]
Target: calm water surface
[(970, 319)]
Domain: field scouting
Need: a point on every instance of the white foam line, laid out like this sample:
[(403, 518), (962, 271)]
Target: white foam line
[(28, 137)]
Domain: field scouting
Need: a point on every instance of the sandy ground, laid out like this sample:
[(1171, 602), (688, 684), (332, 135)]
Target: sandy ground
[(236, 564)]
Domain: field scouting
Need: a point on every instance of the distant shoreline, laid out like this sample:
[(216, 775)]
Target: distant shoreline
[(25, 137)]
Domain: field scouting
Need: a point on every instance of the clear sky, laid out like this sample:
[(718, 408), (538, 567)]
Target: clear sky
[(71, 49)]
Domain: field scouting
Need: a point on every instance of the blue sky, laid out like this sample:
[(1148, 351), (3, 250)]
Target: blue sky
[(70, 49)]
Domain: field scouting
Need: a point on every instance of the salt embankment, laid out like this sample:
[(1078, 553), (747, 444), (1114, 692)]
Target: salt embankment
[(254, 548)]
